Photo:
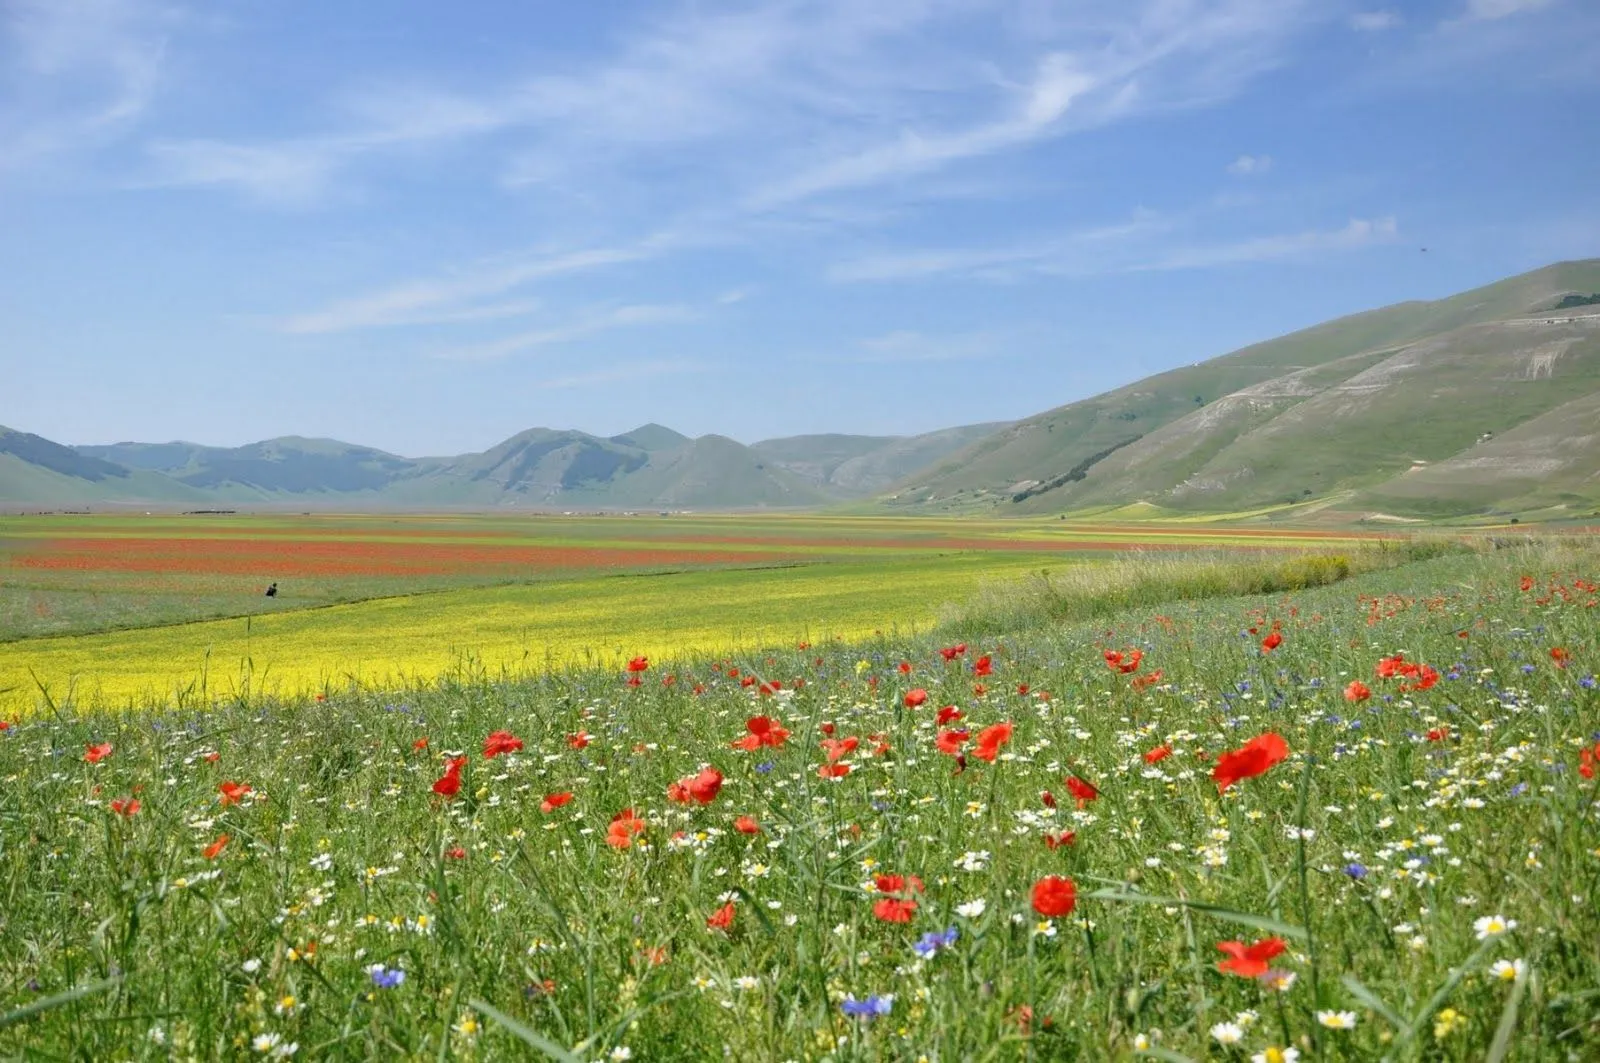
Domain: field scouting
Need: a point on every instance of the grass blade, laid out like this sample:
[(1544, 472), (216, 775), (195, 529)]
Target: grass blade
[(56, 1001), (1373, 1001), (528, 1037), (1260, 922), (1164, 1053), (1508, 1021)]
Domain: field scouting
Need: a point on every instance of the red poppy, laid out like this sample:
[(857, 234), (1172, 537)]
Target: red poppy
[(1587, 761), (827, 728), (1389, 667), (915, 698), (214, 850), (990, 739), (94, 754), (1157, 755), (1425, 675), (1082, 790), (501, 742), (950, 742), (946, 714), (1143, 682), (839, 748), (1357, 691), (1559, 655), (747, 825), (701, 789), (1125, 663), (419, 745), (1249, 961), (1056, 841), (4, 725), (950, 653), (1249, 760), (833, 771), (763, 731), (895, 910), (1526, 583), (209, 758), (722, 918), (449, 784), (554, 801), (1439, 734), (232, 792), (1022, 688), (639, 664), (979, 689), (897, 883), (456, 853), (624, 825), (125, 806), (1055, 896), (1047, 798), (1271, 642), (983, 665), (578, 741)]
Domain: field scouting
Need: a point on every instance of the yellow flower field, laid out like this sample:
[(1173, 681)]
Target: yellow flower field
[(510, 628)]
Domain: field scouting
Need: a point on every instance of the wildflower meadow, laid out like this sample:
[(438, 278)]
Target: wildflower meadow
[(1353, 822)]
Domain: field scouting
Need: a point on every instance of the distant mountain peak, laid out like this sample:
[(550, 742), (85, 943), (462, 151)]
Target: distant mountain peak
[(652, 437)]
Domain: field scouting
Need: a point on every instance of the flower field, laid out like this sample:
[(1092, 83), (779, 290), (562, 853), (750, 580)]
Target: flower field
[(1355, 822), (166, 610)]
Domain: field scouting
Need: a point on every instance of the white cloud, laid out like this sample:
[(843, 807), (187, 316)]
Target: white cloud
[(588, 323), (453, 298), (1359, 233), (1483, 10), (1374, 21), (76, 73), (627, 373), (907, 345), (1247, 165), (1056, 85), (1133, 247)]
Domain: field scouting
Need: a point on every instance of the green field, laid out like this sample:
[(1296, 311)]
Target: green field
[(1414, 880), (169, 609)]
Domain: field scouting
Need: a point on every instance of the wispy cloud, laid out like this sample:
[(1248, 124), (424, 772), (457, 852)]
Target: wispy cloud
[(1359, 233), (1139, 246), (75, 73), (1374, 21), (627, 373), (589, 323), (1497, 9), (455, 298), (906, 345), (1058, 82), (1249, 165), (1038, 256)]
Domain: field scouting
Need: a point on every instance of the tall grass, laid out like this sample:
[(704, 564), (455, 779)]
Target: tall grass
[(1143, 578)]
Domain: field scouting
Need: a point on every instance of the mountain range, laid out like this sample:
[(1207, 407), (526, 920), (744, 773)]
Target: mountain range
[(1487, 402), (651, 466)]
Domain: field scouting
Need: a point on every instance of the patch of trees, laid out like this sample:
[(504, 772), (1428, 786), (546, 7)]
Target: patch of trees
[(1569, 301), (1074, 474)]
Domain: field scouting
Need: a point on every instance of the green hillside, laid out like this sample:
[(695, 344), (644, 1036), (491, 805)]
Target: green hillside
[(1324, 413)]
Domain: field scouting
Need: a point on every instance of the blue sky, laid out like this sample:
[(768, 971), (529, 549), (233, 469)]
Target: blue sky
[(426, 227)]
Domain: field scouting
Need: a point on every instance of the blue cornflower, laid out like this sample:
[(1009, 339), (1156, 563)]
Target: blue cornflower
[(933, 941), (765, 766), (1356, 871), (1527, 669), (870, 1008), (1587, 682), (1519, 789), (386, 977)]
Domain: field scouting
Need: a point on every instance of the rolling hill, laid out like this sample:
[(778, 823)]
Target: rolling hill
[(649, 467), (1486, 402), (1482, 402)]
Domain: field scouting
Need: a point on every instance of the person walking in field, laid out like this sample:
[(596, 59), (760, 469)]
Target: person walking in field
[(272, 591)]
